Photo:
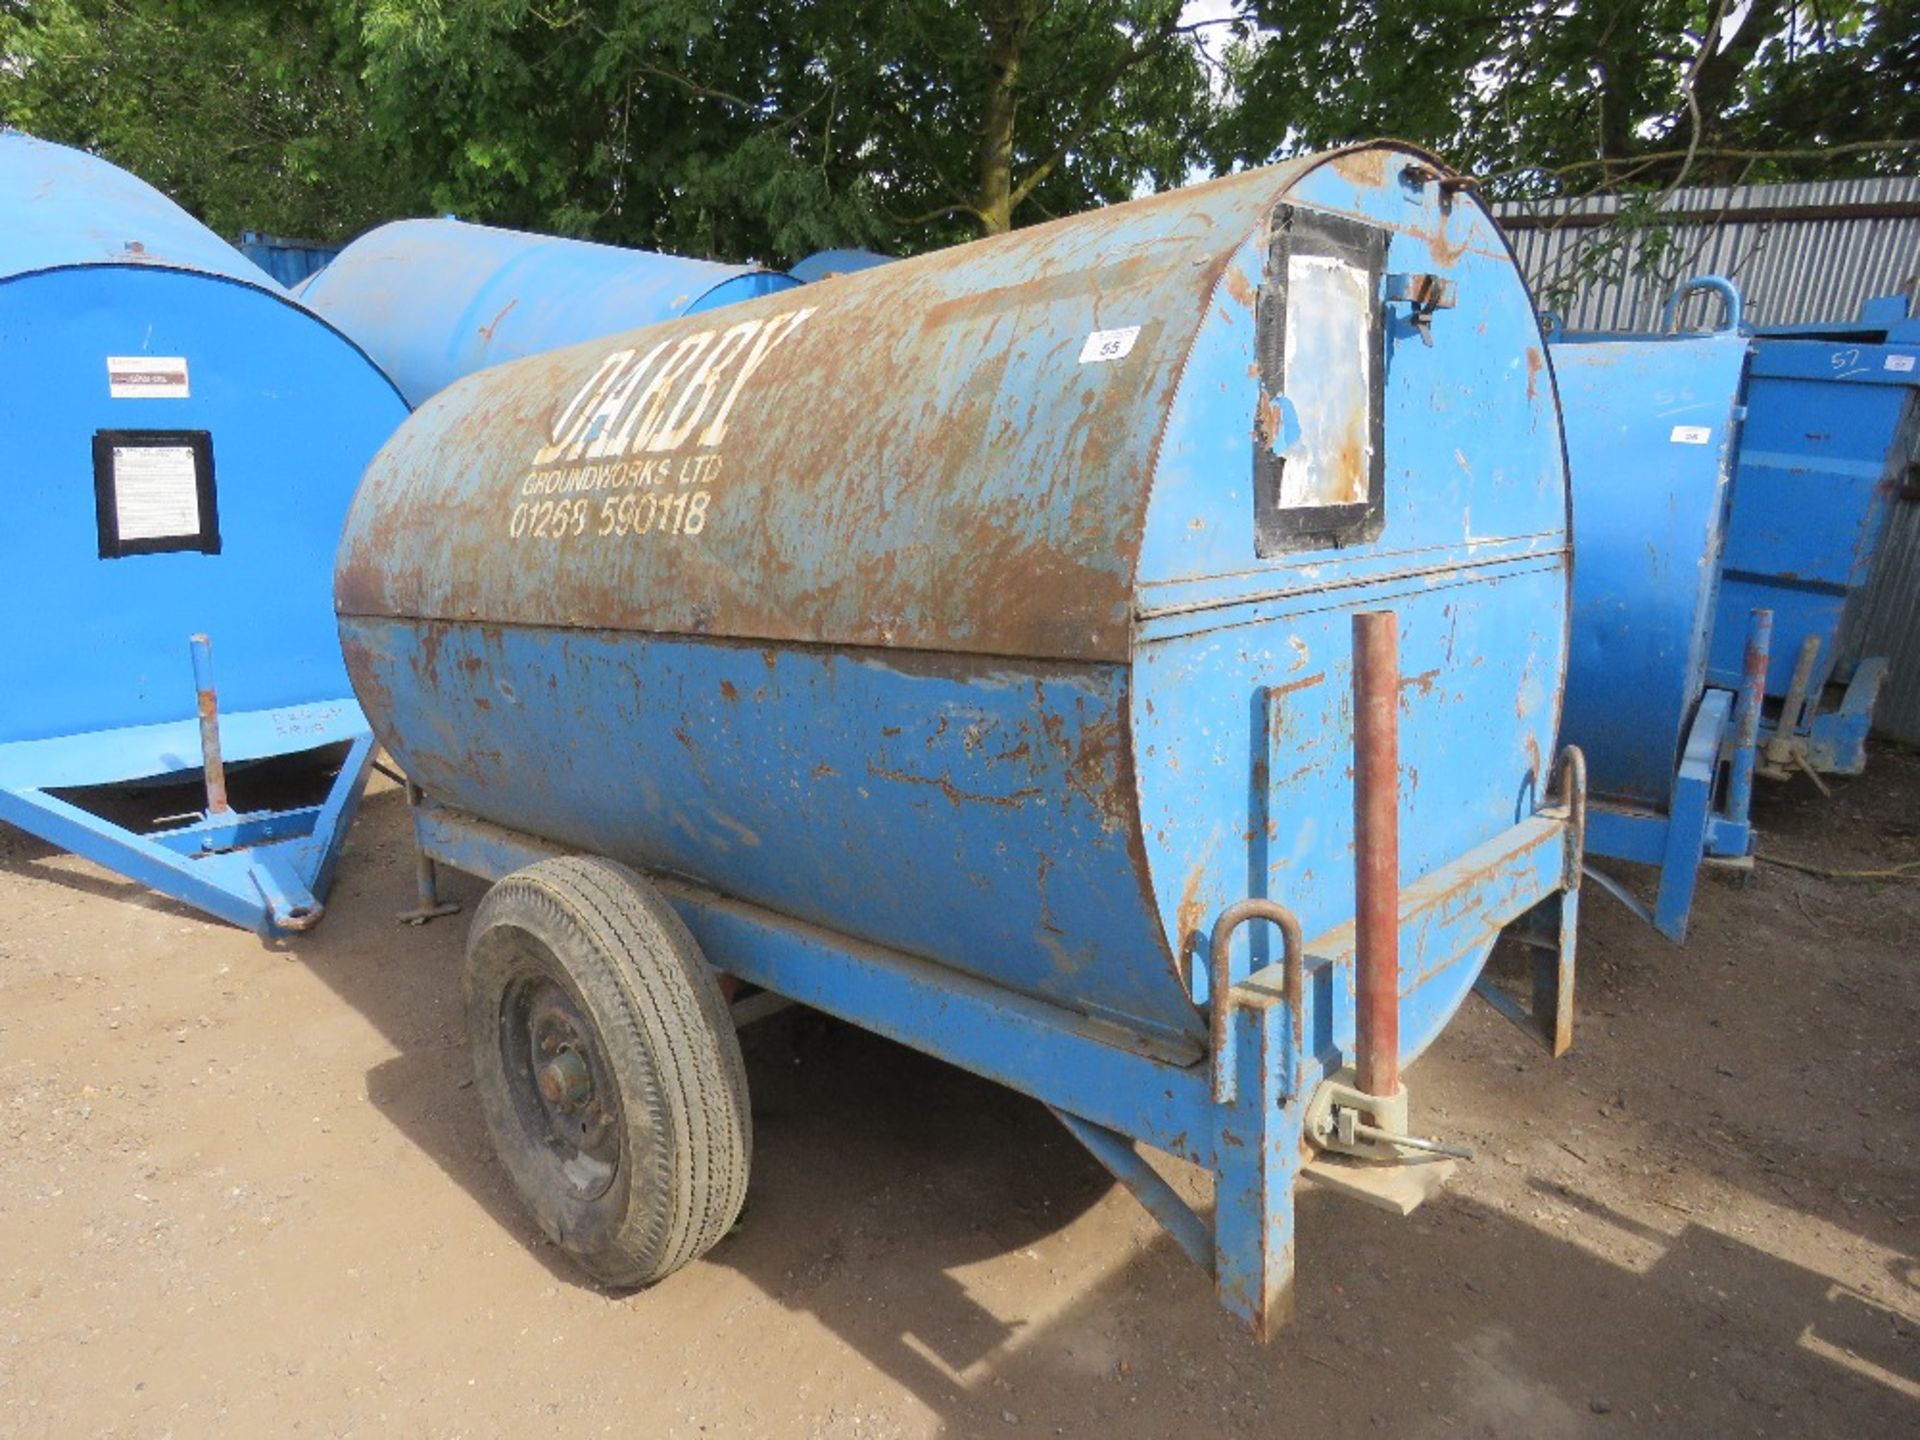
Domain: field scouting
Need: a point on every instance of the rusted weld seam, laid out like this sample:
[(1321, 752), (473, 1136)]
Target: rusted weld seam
[(1559, 535), (1333, 586), (854, 649)]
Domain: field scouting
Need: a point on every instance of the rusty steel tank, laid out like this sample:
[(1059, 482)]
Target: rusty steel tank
[(988, 615)]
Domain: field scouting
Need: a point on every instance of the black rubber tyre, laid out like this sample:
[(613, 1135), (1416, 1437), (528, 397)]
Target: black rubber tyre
[(607, 1068)]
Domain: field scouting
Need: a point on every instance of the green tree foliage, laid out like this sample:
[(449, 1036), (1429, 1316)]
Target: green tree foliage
[(1546, 96), (748, 130), (730, 129), (249, 115), (738, 129)]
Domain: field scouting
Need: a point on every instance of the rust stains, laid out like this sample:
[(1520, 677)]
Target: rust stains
[(1269, 419), (432, 637), (486, 331), (1536, 362), (955, 795), (1366, 167), (1423, 682), (1350, 461), (1238, 286), (902, 410), (1189, 917)]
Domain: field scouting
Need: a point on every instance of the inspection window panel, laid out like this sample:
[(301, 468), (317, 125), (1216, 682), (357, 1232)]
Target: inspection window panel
[(154, 492), (1319, 462)]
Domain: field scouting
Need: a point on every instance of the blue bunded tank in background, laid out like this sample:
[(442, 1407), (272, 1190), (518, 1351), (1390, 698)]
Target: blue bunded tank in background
[(1730, 489), (960, 642), (433, 300), (184, 440), (1652, 426)]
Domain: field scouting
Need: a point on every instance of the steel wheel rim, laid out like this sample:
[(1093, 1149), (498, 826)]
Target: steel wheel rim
[(561, 1086)]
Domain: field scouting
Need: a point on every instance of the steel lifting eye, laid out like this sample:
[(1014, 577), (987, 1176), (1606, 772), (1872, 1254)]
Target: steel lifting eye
[(1424, 293)]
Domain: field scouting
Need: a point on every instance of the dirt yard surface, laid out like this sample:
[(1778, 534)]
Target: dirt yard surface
[(245, 1191)]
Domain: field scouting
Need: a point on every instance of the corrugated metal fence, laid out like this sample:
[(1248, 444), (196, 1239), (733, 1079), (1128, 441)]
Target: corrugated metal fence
[(1800, 253)]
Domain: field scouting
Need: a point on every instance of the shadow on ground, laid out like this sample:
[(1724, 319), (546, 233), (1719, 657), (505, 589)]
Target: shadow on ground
[(1677, 1272)]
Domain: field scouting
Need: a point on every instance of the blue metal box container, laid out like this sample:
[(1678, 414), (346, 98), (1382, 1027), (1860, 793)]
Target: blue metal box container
[(1833, 423), (433, 300), (291, 262), (186, 439), (961, 646)]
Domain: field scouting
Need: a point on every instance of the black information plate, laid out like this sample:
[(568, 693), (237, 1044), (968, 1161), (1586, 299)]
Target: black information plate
[(153, 492)]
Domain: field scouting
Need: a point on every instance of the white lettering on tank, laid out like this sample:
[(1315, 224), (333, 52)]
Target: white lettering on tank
[(596, 436), (651, 406), (698, 393), (561, 435), (604, 441), (633, 404), (777, 329)]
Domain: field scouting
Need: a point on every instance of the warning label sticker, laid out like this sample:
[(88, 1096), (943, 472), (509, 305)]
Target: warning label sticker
[(156, 491), (147, 377), (1690, 435)]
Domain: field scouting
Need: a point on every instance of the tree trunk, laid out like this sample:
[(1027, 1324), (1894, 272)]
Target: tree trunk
[(1006, 30)]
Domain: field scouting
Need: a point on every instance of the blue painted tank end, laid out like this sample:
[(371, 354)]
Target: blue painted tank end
[(193, 437)]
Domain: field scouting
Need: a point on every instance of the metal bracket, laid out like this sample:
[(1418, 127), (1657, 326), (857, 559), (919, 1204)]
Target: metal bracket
[(1426, 293), (426, 875), (1572, 771), (1334, 1123), (1551, 928), (1220, 987)]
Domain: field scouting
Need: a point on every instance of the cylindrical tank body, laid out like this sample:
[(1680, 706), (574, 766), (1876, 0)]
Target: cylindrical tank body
[(433, 300), (825, 264), (184, 439), (994, 606), (1651, 432)]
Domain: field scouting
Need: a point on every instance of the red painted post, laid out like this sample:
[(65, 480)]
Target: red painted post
[(212, 766), (1376, 849)]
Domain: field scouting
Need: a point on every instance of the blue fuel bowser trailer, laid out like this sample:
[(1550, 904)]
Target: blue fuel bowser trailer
[(1121, 657), (185, 439), (433, 300), (1730, 489)]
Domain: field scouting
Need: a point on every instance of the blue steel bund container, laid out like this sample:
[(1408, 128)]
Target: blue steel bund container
[(1652, 424), (1832, 426), (193, 438), (967, 648), (433, 300), (291, 262)]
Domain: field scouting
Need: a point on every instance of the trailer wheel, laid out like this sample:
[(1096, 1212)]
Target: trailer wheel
[(607, 1068)]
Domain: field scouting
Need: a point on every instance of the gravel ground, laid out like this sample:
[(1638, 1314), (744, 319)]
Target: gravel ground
[(244, 1190)]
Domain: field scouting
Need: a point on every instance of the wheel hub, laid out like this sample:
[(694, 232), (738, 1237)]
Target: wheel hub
[(566, 1100), (566, 1081)]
